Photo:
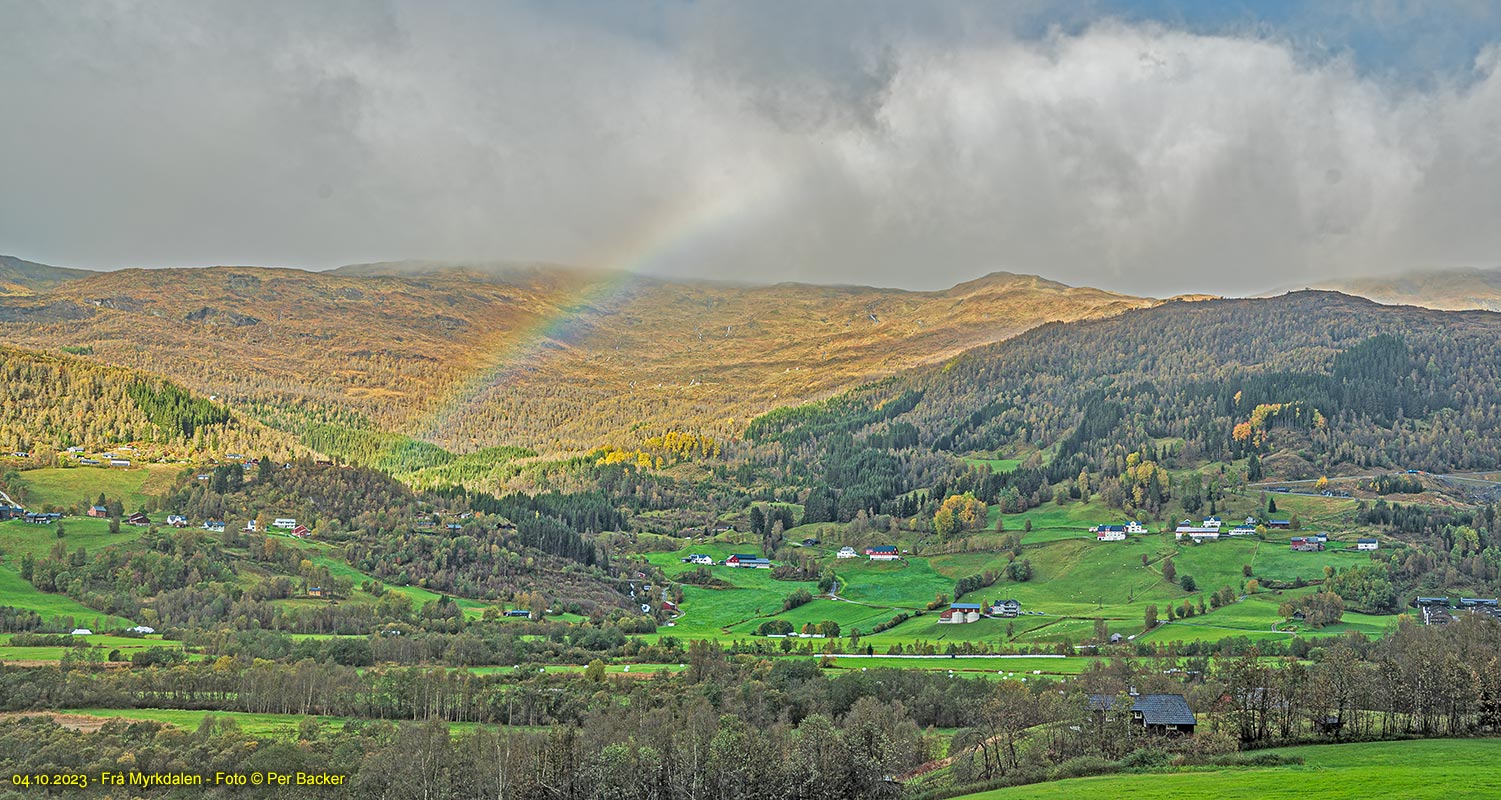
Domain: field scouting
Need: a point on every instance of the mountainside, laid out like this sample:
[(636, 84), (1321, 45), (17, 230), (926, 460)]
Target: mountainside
[(18, 277), (53, 402), (550, 358), (1311, 383), (1444, 290)]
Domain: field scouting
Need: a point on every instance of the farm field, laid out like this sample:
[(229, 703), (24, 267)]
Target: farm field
[(337, 567), (18, 536), (68, 486), (1076, 580), (1413, 770), (18, 593), (269, 725), (127, 645)]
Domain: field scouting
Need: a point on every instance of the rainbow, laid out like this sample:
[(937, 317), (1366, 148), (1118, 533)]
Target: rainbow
[(672, 231)]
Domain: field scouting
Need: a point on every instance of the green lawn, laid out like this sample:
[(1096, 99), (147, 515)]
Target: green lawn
[(1414, 770)]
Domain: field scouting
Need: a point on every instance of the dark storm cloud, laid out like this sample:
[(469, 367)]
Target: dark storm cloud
[(891, 144)]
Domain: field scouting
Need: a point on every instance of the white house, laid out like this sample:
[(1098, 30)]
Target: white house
[(1366, 544), (1135, 527), (846, 552), (177, 520), (1243, 530), (284, 522), (700, 558), (143, 629), (1213, 522)]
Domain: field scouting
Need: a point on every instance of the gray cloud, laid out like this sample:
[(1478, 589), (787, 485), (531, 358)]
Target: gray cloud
[(845, 143)]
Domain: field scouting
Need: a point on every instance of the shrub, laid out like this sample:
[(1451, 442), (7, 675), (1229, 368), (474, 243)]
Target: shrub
[(1083, 767)]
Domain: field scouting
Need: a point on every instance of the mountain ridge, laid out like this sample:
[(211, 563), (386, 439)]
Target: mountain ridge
[(555, 359)]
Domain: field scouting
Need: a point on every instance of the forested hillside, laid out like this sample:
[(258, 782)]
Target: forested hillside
[(1311, 383), (54, 402), (547, 358)]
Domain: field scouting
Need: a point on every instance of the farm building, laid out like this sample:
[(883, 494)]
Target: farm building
[(745, 561), (958, 613), (11, 512), (1304, 544), (1243, 530), (1209, 529), (1279, 524), (286, 523), (98, 511), (301, 532), (119, 462), (846, 552), (1111, 533), (138, 518), (1366, 544), (882, 552), (1005, 608), (82, 632), (177, 520), (315, 591), (1156, 713)]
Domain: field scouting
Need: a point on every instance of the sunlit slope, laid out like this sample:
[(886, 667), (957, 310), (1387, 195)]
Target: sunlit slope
[(546, 357)]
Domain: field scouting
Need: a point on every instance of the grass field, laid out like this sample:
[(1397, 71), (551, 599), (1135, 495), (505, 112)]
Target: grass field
[(1415, 770), (68, 486), (18, 593), (322, 555), (1076, 580), (127, 646), (266, 725), (19, 536)]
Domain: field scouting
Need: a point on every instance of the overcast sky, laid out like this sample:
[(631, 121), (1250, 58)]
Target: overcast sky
[(1156, 148)]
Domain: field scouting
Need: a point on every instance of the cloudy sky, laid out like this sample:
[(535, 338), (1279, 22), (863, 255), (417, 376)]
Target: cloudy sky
[(1157, 147)]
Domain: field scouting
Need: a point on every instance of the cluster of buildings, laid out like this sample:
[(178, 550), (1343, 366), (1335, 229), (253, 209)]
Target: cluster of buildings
[(961, 613), (1442, 611), (1117, 533), (1209, 529)]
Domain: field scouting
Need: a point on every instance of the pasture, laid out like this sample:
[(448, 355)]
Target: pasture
[(20, 594), (1412, 770), (69, 486)]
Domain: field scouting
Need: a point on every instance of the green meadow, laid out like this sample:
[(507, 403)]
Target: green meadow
[(1075, 581), (18, 593), (68, 486), (127, 645), (1412, 770), (19, 536), (268, 725)]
